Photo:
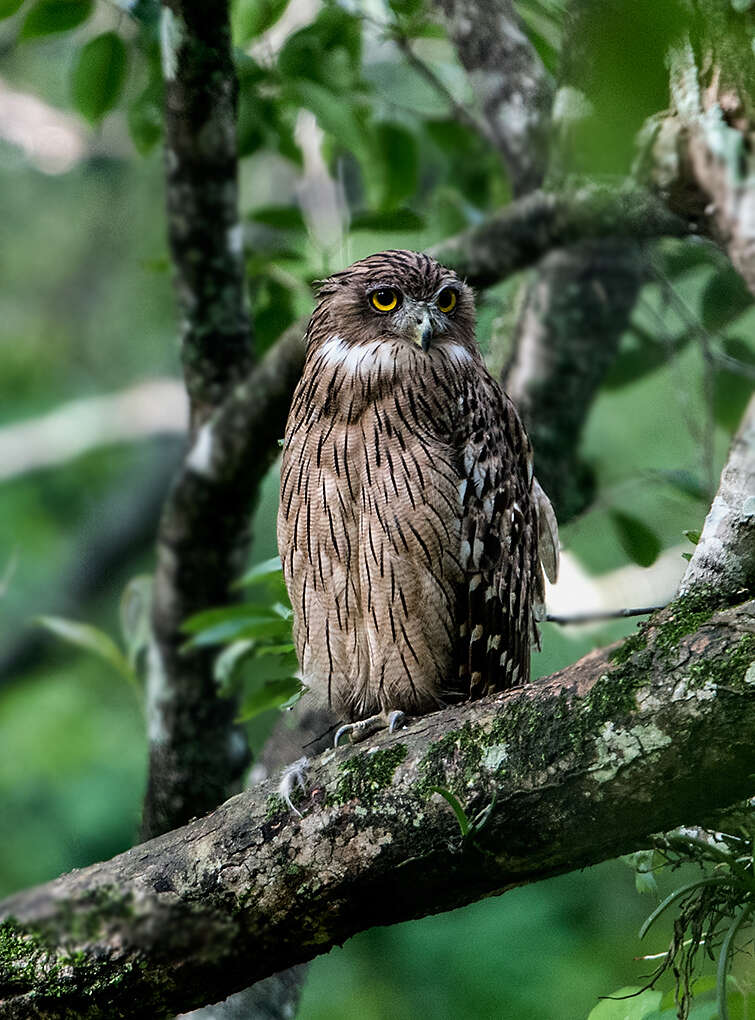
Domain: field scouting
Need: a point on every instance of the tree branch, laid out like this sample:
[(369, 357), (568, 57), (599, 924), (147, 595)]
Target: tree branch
[(575, 310), (196, 752), (578, 302), (701, 157), (514, 90), (148, 408), (576, 769), (724, 557), (521, 233), (205, 232), (460, 112)]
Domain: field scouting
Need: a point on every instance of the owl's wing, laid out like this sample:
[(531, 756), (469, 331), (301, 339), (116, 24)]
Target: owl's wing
[(547, 532), (507, 525)]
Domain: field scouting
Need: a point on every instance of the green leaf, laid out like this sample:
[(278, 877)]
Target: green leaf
[(9, 7), (398, 163), (731, 390), (250, 18), (678, 257), (724, 298), (236, 630), (280, 217), (135, 612), (270, 694), (336, 115), (327, 51), (406, 7), (261, 572), (145, 117), (458, 810), (283, 649), (227, 664), (628, 1003), (89, 638), (727, 948), (692, 536), (640, 543), (49, 16), (274, 310), (243, 611), (278, 667), (257, 118), (392, 220), (638, 356), (98, 76)]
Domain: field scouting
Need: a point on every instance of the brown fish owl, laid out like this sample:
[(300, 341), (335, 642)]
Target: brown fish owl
[(410, 526)]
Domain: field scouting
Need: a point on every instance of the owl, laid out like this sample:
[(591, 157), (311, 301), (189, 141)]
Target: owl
[(410, 528)]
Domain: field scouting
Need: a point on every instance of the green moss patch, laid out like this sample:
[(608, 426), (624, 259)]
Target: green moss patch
[(363, 776)]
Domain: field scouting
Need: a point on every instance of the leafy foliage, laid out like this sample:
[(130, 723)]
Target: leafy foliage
[(250, 18), (90, 639), (258, 663), (48, 17), (713, 914), (640, 542), (99, 75), (9, 7)]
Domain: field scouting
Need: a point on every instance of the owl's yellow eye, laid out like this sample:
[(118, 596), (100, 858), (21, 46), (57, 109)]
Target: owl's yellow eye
[(385, 299), (446, 301)]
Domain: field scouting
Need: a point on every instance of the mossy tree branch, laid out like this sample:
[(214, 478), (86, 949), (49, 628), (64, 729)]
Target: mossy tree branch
[(204, 228), (576, 769), (196, 753)]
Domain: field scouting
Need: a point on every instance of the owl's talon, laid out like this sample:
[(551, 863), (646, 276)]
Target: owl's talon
[(340, 732), (396, 718), (390, 719)]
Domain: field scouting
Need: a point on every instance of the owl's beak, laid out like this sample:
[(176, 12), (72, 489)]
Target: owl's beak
[(424, 330)]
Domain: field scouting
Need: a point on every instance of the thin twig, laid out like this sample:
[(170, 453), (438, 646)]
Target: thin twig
[(460, 112), (706, 339), (608, 614)]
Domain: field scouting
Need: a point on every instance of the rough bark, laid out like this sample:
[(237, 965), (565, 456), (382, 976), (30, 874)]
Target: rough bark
[(196, 753), (575, 309), (529, 228), (724, 558), (701, 156), (578, 768), (513, 88), (205, 232)]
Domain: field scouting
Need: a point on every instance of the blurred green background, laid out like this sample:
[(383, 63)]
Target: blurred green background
[(86, 309)]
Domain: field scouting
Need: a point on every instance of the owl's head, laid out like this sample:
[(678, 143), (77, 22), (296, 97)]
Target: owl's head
[(404, 295)]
